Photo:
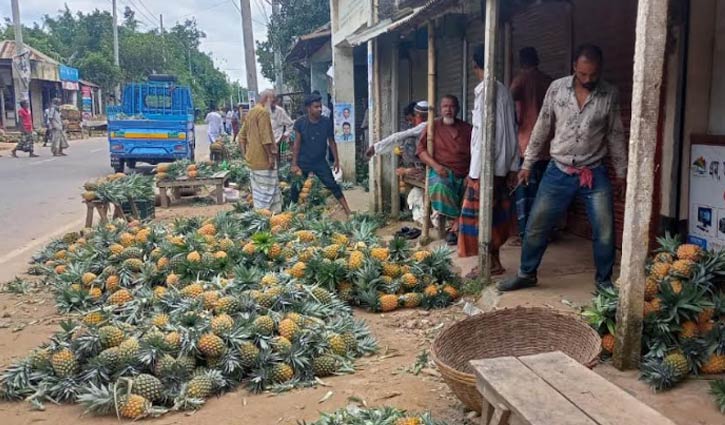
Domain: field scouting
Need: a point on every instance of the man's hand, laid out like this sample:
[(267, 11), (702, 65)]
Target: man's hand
[(441, 171), (296, 170), (270, 163), (336, 167), (512, 180), (620, 188), (401, 172), (523, 177), (370, 152)]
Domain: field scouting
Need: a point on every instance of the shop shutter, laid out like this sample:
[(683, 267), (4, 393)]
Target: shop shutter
[(474, 35), (449, 67)]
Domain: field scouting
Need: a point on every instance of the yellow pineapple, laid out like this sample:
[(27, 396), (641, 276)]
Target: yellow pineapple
[(192, 290), (159, 291), (431, 291), (220, 255), (95, 293), (411, 299), (172, 279), (63, 362), (651, 307), (193, 257), (211, 345), (209, 298), (288, 328), (689, 330), (338, 344), (340, 239), (126, 239), (660, 270), (451, 291), (391, 270), (714, 364), (207, 230), (120, 297), (651, 288), (275, 251), (113, 283), (608, 341), (162, 263), (249, 248), (683, 268), (306, 255), (59, 269), (270, 279), (409, 420), (160, 320), (133, 407), (305, 235), (388, 302), (226, 244), (330, 252), (222, 324), (281, 372), (356, 260), (421, 255), (689, 252), (380, 254), (298, 270), (93, 318)]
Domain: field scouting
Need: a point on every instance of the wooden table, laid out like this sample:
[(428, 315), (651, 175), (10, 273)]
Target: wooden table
[(103, 208), (553, 389), (218, 180)]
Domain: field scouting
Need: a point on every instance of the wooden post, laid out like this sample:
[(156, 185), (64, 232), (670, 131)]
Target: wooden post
[(394, 110), (425, 237), (485, 207), (647, 81), (377, 125)]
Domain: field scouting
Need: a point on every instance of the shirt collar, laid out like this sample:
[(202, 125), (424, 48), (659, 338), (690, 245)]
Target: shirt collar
[(479, 87), (601, 89)]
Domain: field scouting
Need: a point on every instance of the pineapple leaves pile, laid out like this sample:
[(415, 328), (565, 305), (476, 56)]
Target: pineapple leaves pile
[(119, 189), (184, 168), (354, 415), (163, 316), (684, 314)]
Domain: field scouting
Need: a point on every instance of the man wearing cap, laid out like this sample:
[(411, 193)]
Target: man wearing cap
[(404, 139), (313, 136)]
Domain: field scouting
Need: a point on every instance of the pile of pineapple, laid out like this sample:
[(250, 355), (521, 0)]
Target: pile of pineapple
[(119, 188), (164, 316), (354, 415), (684, 314), (184, 168)]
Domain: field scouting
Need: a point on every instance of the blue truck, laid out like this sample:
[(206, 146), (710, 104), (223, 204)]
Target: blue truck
[(154, 123)]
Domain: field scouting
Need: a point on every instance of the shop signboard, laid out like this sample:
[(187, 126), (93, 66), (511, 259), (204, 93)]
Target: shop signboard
[(707, 196)]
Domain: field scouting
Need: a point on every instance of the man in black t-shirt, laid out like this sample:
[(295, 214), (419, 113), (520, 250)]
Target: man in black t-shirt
[(313, 135)]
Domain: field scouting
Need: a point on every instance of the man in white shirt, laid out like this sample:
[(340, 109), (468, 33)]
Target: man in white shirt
[(281, 122), (228, 121), (420, 120), (215, 122), (506, 164)]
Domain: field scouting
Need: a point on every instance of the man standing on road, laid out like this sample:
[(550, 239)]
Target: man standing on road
[(528, 90), (215, 124), (582, 112), (46, 123), (257, 141), (281, 122), (313, 136), (448, 167), (506, 164), (236, 121), (26, 131), (228, 120), (58, 141)]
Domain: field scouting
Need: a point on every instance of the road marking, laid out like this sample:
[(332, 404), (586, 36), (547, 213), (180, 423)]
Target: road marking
[(40, 241), (97, 150), (42, 161)]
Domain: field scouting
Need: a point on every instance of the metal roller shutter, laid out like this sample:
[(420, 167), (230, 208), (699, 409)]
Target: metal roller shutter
[(474, 35), (449, 67), (546, 27)]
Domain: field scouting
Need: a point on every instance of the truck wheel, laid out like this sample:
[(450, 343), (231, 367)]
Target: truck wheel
[(118, 166), (131, 163)]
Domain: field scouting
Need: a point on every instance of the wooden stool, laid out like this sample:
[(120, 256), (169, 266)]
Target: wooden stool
[(102, 208), (218, 180), (553, 389)]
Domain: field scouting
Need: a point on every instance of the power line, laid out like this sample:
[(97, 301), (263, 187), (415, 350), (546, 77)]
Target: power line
[(147, 9), (214, 6), (141, 13)]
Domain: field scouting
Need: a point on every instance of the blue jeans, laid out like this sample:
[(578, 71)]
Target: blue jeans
[(525, 195), (556, 192)]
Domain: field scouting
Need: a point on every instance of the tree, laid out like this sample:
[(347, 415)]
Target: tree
[(295, 18)]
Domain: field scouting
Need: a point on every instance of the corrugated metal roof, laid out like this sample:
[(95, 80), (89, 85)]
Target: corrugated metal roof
[(8, 50)]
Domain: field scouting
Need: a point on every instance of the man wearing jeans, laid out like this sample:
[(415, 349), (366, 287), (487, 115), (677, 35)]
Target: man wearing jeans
[(583, 112)]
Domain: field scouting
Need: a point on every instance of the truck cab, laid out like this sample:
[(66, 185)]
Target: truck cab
[(154, 123)]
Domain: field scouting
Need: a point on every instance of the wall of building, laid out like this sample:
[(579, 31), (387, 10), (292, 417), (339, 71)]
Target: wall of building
[(699, 79)]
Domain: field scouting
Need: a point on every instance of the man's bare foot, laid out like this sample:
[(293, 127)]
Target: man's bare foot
[(13, 153)]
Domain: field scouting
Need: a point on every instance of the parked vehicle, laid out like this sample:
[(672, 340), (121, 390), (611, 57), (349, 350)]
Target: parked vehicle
[(154, 123)]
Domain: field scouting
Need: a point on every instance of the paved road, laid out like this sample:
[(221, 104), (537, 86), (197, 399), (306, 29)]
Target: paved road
[(40, 197)]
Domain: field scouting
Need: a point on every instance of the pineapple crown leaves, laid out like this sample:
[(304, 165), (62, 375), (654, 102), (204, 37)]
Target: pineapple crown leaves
[(717, 390), (17, 381), (669, 243), (683, 306), (659, 375)]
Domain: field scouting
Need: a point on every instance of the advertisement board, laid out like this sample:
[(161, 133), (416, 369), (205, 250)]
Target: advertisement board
[(707, 196), (344, 123)]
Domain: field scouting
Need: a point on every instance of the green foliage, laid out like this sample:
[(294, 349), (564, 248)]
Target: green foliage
[(85, 41), (296, 18)]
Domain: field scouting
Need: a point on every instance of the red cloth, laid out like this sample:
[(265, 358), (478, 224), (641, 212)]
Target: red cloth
[(451, 146), (26, 119), (586, 177), (528, 90)]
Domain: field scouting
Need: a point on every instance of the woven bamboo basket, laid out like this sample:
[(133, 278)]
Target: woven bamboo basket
[(516, 332)]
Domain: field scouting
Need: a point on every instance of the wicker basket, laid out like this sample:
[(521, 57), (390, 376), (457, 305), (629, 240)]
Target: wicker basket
[(516, 332)]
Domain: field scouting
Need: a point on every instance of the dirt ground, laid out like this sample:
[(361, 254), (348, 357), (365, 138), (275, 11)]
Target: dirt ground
[(382, 379)]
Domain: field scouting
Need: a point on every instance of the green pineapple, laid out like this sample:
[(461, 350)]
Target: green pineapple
[(128, 350), (324, 365), (264, 325), (248, 353), (148, 387)]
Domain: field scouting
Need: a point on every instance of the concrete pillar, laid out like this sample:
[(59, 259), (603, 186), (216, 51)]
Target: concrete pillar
[(318, 78), (647, 82), (343, 91)]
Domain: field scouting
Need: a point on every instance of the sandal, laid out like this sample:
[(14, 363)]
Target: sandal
[(413, 234), (452, 239)]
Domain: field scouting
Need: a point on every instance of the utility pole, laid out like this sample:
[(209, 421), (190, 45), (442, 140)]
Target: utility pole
[(115, 49), (21, 64), (278, 74), (163, 39), (249, 59)]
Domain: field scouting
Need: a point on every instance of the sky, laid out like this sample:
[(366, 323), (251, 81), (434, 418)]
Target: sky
[(219, 19)]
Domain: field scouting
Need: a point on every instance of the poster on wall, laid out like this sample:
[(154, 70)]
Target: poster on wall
[(87, 101), (344, 123), (707, 196)]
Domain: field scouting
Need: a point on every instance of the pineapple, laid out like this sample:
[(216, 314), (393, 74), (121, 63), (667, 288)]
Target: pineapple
[(88, 278), (608, 343), (664, 257), (431, 291), (651, 288), (409, 280), (340, 239), (193, 257), (116, 249), (173, 341), (126, 239), (142, 236), (281, 372), (264, 325), (60, 269), (275, 251), (689, 252), (295, 317), (110, 358), (95, 293), (133, 264), (683, 268), (193, 290), (248, 353), (356, 260), (350, 341), (156, 254), (714, 364), (110, 336), (322, 295), (162, 263), (120, 297), (211, 345), (128, 350), (226, 304), (305, 236), (288, 329), (411, 299), (93, 318), (345, 291), (678, 362), (209, 299), (159, 291), (113, 283), (220, 255), (331, 251), (160, 320), (391, 270), (269, 279), (39, 358), (172, 279), (134, 407), (200, 387), (420, 256), (64, 363), (380, 254), (306, 255), (207, 230), (249, 249), (324, 365), (689, 330), (222, 324), (451, 291), (409, 420), (148, 387), (298, 270), (337, 344), (652, 307), (226, 244), (388, 302), (660, 270), (281, 345)]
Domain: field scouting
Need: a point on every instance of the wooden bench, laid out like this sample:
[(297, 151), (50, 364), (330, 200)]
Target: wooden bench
[(103, 208), (218, 180), (553, 389)]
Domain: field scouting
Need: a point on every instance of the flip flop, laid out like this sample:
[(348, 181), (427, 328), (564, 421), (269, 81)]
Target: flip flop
[(413, 234)]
